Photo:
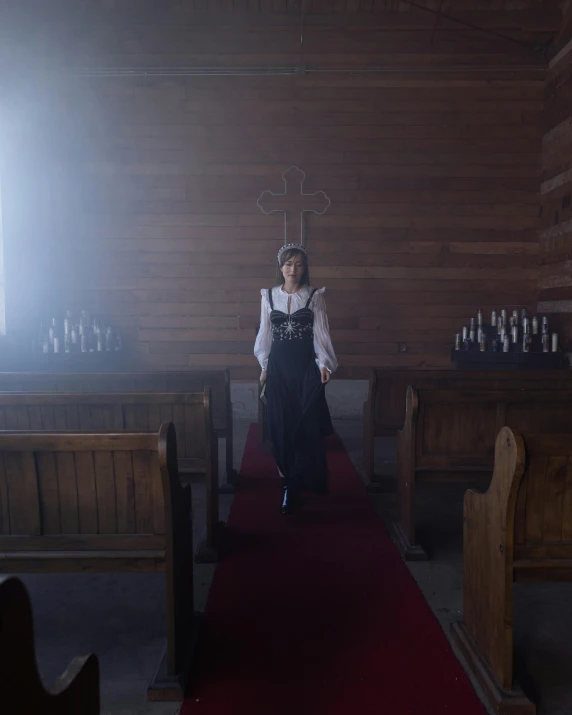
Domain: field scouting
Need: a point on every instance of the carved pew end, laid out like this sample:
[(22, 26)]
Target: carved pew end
[(75, 692), (209, 547), (504, 702), (515, 531)]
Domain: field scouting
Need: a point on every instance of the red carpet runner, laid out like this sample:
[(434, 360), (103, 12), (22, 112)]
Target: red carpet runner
[(315, 614)]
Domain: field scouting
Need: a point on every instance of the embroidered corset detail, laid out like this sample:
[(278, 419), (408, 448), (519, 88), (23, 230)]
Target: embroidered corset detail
[(296, 326)]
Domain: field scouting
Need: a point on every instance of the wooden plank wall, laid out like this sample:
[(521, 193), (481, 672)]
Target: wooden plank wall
[(555, 283), (432, 171)]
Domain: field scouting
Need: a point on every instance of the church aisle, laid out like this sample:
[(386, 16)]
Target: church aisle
[(316, 614)]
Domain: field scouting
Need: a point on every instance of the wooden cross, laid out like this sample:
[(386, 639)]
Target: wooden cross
[(293, 203)]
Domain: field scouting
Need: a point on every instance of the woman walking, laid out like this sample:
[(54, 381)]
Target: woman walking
[(295, 353)]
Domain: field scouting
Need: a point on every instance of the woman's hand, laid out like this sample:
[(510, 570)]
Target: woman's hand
[(326, 375), (263, 375)]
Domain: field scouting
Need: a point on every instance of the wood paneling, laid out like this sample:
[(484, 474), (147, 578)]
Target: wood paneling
[(555, 282), (429, 210), (431, 162)]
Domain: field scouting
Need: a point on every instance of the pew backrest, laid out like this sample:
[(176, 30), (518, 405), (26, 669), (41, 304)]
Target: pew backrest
[(543, 507), (87, 501), (190, 413), (101, 501), (122, 382), (385, 406), (456, 430)]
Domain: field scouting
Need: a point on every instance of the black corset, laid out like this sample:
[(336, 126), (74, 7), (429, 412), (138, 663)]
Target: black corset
[(296, 326)]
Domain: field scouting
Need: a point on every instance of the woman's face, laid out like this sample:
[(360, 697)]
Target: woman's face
[(293, 268)]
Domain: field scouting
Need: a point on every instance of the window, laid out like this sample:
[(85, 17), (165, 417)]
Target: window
[(2, 291)]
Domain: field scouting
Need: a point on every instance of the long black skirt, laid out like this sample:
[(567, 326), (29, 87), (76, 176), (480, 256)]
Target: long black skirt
[(297, 414)]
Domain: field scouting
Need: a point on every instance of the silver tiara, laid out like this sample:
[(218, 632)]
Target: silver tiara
[(295, 246)]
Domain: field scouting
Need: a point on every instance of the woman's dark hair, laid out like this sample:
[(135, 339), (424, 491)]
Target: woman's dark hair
[(286, 256)]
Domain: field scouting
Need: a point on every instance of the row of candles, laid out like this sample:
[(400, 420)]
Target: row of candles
[(80, 334), (510, 331)]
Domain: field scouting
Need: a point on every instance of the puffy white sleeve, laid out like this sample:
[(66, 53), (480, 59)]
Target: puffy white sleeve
[(264, 338), (325, 355)]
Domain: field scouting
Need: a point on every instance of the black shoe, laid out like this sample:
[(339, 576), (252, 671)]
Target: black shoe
[(290, 500)]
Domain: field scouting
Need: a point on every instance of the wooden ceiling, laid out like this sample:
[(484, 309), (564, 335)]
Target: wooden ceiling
[(396, 6), (446, 7), (392, 27), (350, 6), (528, 19), (532, 23)]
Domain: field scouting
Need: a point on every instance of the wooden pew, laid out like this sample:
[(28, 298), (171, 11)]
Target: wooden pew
[(449, 436), (104, 502), (183, 382), (520, 529), (76, 691), (190, 414), (384, 409)]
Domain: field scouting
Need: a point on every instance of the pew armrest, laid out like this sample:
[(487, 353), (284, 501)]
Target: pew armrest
[(81, 675), (488, 549), (75, 691)]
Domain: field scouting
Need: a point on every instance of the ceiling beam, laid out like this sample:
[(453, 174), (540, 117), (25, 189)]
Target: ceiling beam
[(565, 31), (437, 18)]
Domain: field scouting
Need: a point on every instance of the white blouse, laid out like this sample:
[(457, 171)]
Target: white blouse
[(325, 355)]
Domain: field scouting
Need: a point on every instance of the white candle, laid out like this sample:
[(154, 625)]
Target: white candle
[(554, 342)]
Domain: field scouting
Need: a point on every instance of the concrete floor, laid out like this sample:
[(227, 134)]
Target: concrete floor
[(120, 617)]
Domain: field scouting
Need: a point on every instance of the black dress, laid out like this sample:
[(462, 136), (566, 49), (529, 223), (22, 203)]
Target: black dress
[(296, 408)]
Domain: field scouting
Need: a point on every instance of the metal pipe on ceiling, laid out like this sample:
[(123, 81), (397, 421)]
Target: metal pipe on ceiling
[(184, 71), (301, 69)]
